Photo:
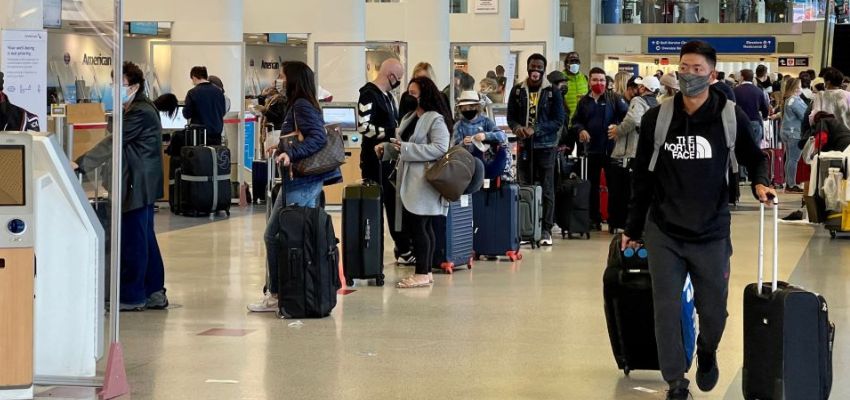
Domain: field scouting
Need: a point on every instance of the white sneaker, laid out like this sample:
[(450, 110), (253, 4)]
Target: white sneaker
[(268, 304), (406, 259)]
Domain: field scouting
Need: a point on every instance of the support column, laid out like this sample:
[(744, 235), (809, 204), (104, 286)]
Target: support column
[(487, 28), (342, 70), (584, 16), (427, 34), (540, 19)]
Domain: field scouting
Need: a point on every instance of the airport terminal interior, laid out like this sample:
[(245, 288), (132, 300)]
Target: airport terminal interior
[(494, 263)]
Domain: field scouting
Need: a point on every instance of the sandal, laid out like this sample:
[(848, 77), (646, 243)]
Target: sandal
[(411, 282)]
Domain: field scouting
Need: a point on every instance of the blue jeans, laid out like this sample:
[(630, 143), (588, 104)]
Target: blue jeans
[(302, 195), (142, 270), (792, 156)]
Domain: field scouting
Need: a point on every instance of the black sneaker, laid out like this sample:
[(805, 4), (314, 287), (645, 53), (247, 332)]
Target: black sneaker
[(678, 394), (707, 371), (794, 216), (157, 301)]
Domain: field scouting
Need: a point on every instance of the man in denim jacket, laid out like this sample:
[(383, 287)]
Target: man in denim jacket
[(536, 115)]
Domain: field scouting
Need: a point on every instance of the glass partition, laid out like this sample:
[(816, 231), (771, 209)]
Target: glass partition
[(343, 68)]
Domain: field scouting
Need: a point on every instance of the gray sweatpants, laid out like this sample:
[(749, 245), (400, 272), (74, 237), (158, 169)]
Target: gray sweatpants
[(670, 260)]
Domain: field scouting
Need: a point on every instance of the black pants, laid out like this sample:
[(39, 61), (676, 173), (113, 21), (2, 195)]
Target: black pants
[(421, 229), (619, 180), (371, 168), (542, 173), (595, 164), (670, 261)]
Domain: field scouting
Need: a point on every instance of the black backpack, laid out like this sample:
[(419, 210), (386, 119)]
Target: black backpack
[(308, 263)]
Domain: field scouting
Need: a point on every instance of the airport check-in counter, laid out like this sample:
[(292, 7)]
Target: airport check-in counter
[(67, 318), (344, 114)]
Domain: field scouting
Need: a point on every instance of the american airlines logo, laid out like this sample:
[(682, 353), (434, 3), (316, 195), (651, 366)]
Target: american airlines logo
[(689, 148)]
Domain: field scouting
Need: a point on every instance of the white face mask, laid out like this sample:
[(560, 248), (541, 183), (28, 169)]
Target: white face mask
[(278, 84), (574, 68)]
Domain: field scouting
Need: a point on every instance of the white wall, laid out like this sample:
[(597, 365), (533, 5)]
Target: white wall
[(541, 20), (471, 27)]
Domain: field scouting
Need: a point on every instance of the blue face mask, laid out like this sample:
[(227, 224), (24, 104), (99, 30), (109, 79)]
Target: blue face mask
[(125, 96), (574, 68)]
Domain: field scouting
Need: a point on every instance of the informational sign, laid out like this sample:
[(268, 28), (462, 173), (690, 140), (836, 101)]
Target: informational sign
[(631, 68), (510, 72), (144, 28), (248, 155), (52, 13), (280, 38), (793, 61), (486, 7), (723, 45), (25, 68)]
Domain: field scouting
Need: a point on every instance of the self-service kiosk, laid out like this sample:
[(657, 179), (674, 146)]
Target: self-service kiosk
[(17, 267)]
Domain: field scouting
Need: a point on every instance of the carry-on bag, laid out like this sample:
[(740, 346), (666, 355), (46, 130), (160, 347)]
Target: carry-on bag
[(572, 204), (776, 165), (530, 214), (627, 291), (202, 183), (451, 174), (363, 233), (496, 219), (787, 335), (308, 263), (454, 232)]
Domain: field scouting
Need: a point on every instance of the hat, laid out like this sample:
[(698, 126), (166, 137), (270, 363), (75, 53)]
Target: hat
[(556, 77), (818, 81), (468, 97), (649, 82), (670, 81)]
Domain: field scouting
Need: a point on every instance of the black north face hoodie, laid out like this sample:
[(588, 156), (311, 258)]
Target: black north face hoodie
[(687, 195)]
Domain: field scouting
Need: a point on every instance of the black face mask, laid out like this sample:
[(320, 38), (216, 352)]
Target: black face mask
[(261, 100), (396, 84), (469, 114), (409, 102)]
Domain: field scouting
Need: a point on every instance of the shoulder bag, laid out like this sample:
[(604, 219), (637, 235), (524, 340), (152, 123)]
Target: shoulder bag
[(329, 158)]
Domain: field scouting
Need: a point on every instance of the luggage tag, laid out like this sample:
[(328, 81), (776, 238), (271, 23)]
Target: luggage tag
[(486, 184)]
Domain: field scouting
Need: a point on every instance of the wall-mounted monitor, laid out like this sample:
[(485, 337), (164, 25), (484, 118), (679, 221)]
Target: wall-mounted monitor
[(52, 14), (12, 181), (144, 28), (343, 114), (279, 38)]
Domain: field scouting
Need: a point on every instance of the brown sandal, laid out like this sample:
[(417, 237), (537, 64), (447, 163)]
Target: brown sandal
[(411, 283)]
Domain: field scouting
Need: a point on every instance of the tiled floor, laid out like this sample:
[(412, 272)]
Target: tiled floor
[(534, 329)]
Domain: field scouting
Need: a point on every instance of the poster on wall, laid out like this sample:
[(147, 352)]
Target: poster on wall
[(631, 68), (486, 7), (25, 68)]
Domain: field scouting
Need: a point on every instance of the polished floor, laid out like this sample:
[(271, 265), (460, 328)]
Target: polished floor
[(533, 329)]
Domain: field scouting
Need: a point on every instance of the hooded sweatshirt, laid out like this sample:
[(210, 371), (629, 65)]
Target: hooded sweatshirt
[(688, 194)]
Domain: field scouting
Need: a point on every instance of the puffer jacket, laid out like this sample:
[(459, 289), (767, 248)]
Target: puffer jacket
[(629, 129)]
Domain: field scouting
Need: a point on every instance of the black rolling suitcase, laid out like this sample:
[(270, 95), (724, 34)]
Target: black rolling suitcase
[(308, 263), (787, 336), (572, 204), (363, 233), (629, 313), (202, 183)]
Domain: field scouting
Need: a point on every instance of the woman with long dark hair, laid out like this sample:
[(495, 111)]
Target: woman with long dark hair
[(304, 115), (422, 137)]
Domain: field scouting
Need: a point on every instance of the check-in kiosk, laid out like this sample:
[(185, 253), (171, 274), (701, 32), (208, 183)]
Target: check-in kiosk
[(345, 115), (17, 268)]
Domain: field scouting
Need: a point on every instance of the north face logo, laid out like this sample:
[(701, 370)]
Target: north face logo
[(689, 148)]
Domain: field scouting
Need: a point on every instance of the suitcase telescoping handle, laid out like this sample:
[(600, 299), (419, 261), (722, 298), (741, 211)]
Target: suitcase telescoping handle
[(775, 246)]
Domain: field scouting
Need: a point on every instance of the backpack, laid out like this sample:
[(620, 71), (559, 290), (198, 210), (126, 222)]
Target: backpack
[(665, 117)]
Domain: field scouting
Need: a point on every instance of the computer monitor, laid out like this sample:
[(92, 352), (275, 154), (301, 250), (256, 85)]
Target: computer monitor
[(176, 123), (500, 116), (343, 114)]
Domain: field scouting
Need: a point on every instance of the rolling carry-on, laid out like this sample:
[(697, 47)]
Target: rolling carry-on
[(776, 166), (453, 248), (496, 219), (627, 290), (530, 214), (363, 233), (787, 335), (308, 263), (259, 179), (572, 199), (202, 183)]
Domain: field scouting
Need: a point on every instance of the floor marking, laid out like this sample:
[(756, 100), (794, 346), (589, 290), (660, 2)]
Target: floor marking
[(222, 381), (645, 390), (226, 332)]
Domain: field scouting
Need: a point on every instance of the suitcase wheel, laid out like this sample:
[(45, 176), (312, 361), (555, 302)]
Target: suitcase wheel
[(514, 255), (448, 267), (350, 282), (832, 233), (227, 212), (626, 371), (379, 281), (587, 236), (469, 263), (563, 235)]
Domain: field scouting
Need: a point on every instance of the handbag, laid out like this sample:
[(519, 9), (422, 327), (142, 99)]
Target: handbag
[(451, 174), (329, 158)]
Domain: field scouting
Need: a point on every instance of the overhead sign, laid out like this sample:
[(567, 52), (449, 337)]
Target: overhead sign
[(24, 65), (144, 28), (486, 7), (793, 61), (723, 45), (280, 38), (631, 68)]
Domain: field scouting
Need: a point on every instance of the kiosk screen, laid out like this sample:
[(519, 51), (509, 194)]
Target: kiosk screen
[(12, 180), (346, 117)]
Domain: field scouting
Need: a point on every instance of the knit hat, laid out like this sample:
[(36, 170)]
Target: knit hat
[(556, 77)]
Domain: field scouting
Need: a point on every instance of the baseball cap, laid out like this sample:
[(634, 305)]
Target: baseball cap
[(649, 82)]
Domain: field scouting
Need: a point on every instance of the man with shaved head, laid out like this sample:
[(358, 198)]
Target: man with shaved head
[(377, 121)]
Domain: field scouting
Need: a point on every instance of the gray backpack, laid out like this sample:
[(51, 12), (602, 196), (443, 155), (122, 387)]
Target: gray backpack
[(665, 117)]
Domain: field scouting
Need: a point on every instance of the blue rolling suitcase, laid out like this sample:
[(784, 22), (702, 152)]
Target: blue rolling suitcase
[(496, 218), (454, 233)]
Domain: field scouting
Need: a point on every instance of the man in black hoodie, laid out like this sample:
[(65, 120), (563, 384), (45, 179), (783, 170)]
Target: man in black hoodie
[(377, 121), (681, 181)]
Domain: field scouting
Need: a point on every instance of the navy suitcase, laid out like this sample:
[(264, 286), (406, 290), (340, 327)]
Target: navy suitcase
[(454, 246), (496, 218), (787, 336), (363, 233)]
